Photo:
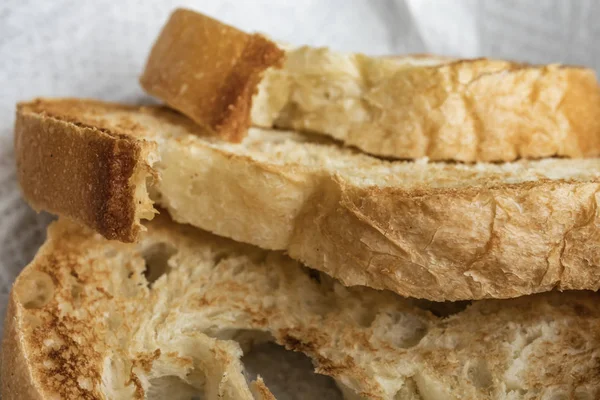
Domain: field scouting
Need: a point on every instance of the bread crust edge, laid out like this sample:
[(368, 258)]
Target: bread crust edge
[(82, 172), (17, 382)]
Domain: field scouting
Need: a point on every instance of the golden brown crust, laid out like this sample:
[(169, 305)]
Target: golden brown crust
[(17, 382), (212, 71), (455, 244), (79, 171), (444, 109)]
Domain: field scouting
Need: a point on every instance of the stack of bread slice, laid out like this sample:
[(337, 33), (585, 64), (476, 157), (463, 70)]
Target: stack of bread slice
[(420, 227)]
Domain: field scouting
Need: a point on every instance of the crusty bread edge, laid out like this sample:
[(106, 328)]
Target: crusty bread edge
[(320, 234), (472, 133), (338, 211), (474, 123), (170, 76), (16, 379), (125, 160)]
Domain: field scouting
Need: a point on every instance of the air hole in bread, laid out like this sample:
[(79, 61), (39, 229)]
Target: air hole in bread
[(219, 257), (443, 309), (76, 294), (292, 378), (155, 196), (246, 338), (557, 396), (319, 278), (403, 330), (172, 387), (35, 290), (157, 258), (479, 374), (314, 275)]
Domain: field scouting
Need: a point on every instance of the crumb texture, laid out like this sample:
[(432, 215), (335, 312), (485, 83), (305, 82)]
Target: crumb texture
[(92, 326), (212, 73), (444, 109), (403, 107), (421, 229)]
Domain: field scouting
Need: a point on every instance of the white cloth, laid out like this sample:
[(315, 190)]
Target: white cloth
[(98, 48)]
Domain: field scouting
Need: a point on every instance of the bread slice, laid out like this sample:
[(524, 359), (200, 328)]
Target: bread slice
[(465, 110), (169, 317), (429, 230), (94, 175), (220, 73)]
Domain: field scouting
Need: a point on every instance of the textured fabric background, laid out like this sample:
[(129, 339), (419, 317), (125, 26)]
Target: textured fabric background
[(97, 49)]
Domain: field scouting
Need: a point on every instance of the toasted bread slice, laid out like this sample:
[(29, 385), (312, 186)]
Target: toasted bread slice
[(97, 319), (221, 71), (94, 175), (408, 107), (434, 230)]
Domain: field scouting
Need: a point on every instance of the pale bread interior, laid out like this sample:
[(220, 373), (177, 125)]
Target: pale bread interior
[(318, 74), (170, 316), (305, 153), (400, 107)]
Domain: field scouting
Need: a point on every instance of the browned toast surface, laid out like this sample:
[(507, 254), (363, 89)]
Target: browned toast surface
[(437, 230), (170, 316), (403, 107), (213, 72)]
